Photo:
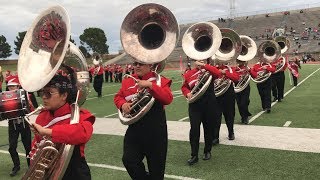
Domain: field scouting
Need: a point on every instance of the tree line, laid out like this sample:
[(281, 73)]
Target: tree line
[(91, 40)]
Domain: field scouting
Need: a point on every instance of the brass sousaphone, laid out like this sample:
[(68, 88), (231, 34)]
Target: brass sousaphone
[(149, 34), (248, 52), (46, 50), (268, 52), (227, 53), (200, 42)]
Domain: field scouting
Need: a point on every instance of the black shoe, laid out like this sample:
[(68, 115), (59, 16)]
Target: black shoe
[(268, 110), (206, 156), (279, 100), (15, 170), (245, 120), (215, 142), (231, 137), (274, 100), (193, 160)]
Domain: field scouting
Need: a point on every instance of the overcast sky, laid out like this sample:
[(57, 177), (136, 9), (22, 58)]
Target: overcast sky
[(18, 15)]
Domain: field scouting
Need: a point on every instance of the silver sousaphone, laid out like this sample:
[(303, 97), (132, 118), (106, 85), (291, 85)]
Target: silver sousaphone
[(149, 34), (227, 53), (46, 50), (200, 42), (268, 52), (248, 52), (284, 44)]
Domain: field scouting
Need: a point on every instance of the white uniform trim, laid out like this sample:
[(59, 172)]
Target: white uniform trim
[(57, 119)]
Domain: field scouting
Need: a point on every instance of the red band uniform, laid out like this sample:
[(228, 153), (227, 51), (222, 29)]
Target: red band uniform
[(148, 136), (278, 80), (293, 67), (226, 102), (199, 112), (16, 127), (243, 97), (63, 132), (264, 88)]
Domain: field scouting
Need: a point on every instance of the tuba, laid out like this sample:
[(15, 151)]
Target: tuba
[(45, 51), (268, 51), (200, 42), (248, 52), (149, 34), (96, 62), (229, 50), (284, 44)]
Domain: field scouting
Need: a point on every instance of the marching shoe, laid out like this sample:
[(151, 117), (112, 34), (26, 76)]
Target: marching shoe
[(231, 137), (206, 156), (215, 142), (268, 110), (193, 160), (274, 100), (15, 170), (279, 100), (245, 120)]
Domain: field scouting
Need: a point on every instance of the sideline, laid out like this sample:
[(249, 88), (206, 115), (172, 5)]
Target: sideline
[(272, 104), (117, 168)]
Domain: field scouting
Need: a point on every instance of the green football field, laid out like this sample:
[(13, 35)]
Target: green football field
[(300, 106)]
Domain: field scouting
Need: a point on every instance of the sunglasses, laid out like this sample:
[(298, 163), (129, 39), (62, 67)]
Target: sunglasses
[(47, 94), (137, 63)]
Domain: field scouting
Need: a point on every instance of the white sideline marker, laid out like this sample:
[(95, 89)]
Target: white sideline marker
[(124, 169), (287, 124), (117, 168), (272, 104)]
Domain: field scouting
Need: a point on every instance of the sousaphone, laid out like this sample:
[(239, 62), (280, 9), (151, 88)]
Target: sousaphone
[(248, 52), (199, 42), (284, 44), (149, 34), (268, 52), (227, 53), (46, 50)]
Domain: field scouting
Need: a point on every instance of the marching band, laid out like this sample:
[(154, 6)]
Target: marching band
[(219, 79)]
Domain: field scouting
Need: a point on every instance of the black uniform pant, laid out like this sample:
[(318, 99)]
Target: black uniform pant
[(120, 77), (264, 89), (140, 142), (226, 103), (243, 101), (97, 84), (78, 167), (14, 131), (106, 76), (295, 80), (111, 76), (199, 113), (278, 80)]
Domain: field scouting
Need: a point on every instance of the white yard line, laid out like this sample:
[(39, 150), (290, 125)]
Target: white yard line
[(272, 104), (287, 124), (117, 168), (183, 119), (110, 115)]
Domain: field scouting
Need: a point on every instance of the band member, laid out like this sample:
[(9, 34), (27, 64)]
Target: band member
[(106, 73), (226, 101), (120, 72), (98, 76), (243, 97), (293, 66), (54, 123), (111, 71), (278, 80), (1, 79), (264, 88), (91, 71), (8, 76), (199, 112), (18, 126), (148, 137)]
